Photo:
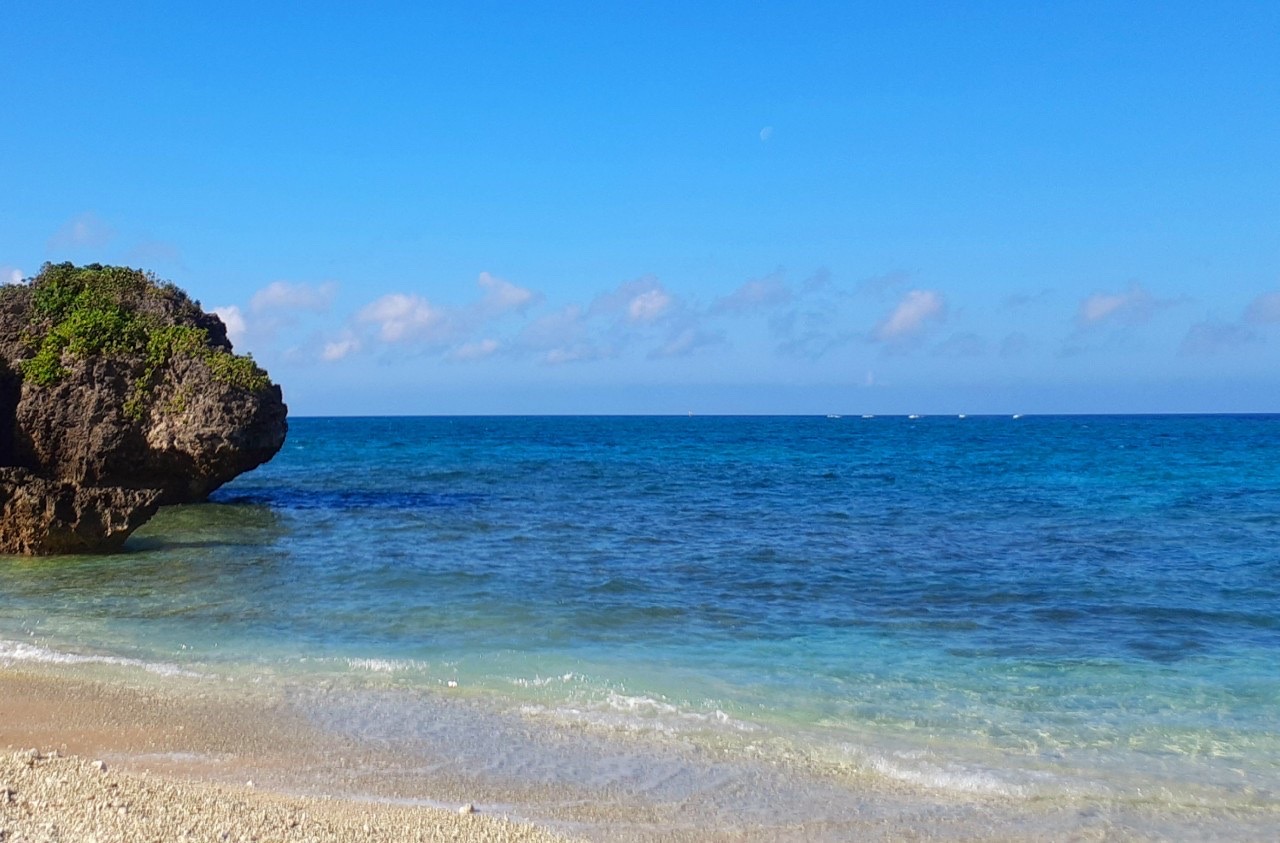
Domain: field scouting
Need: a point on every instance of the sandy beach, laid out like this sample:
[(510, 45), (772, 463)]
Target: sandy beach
[(179, 769), (110, 759)]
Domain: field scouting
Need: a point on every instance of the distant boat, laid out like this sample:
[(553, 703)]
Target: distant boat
[(913, 416), (962, 416), (1017, 415), (867, 416), (833, 416)]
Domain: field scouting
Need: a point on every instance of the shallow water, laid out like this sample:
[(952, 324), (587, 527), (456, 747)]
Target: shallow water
[(1063, 611)]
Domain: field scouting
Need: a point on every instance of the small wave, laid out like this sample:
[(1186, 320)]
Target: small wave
[(19, 651), (640, 714), (912, 769), (386, 665), (542, 681)]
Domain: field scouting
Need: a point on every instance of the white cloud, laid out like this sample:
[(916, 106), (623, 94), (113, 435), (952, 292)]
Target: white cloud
[(1264, 310), (618, 302), (649, 306), (401, 318), (913, 314), (502, 296), (766, 134), (340, 348), (84, 231), (756, 294), (475, 350), (233, 318), (1135, 306), (281, 296), (10, 275)]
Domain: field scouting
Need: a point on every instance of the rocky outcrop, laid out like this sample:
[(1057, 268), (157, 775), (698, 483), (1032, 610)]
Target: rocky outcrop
[(47, 516), (118, 394)]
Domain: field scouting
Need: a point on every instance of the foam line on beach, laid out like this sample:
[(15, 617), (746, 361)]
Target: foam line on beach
[(21, 651)]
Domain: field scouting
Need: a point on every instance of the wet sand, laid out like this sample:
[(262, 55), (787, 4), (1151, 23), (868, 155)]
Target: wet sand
[(179, 770), (99, 758)]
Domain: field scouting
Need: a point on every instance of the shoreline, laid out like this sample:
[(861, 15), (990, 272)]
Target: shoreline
[(56, 797), (182, 749), (84, 759), (202, 740)]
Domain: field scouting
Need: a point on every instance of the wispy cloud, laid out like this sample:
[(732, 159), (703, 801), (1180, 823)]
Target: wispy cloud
[(285, 298), (1263, 310), (83, 231), (502, 296), (582, 352), (641, 316), (917, 311), (643, 299), (278, 305), (765, 293), (686, 340), (1134, 306), (478, 350), (553, 329), (10, 275), (561, 337), (1212, 337)]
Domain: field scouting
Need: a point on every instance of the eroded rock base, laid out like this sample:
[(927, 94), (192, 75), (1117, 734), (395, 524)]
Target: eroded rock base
[(39, 516)]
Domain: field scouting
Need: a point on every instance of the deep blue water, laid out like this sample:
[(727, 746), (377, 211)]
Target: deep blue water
[(1030, 606)]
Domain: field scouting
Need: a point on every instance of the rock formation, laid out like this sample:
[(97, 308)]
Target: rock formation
[(118, 394)]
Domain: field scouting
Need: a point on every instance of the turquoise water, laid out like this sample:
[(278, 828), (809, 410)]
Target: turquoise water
[(1043, 608)]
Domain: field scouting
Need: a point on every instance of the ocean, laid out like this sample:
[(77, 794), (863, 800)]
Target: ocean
[(1071, 619)]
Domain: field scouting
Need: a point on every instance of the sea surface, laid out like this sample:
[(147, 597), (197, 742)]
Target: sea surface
[(772, 614)]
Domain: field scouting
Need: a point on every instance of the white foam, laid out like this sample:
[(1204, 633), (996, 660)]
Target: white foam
[(640, 714), (20, 651), (541, 681), (912, 768), (386, 665)]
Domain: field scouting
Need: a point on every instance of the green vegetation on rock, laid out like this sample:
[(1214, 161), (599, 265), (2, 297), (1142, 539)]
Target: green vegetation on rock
[(85, 311)]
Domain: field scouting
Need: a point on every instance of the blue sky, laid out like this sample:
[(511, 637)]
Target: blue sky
[(675, 207)]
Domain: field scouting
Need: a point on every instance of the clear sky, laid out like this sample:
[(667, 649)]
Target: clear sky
[(674, 207)]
